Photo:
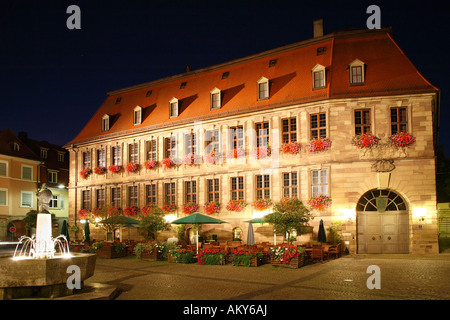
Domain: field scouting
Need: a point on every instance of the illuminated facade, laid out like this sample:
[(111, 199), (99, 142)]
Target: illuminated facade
[(237, 119)]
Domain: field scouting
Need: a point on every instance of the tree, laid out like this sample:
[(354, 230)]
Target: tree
[(153, 222), (289, 214)]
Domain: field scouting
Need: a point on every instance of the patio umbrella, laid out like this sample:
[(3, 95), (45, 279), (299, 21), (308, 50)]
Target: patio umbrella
[(321, 236), (250, 235), (65, 230), (197, 218), (87, 232), (123, 221)]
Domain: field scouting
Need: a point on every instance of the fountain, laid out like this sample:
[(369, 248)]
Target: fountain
[(40, 267)]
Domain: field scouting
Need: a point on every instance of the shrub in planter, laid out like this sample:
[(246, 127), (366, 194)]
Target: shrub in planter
[(248, 258), (182, 255), (210, 257)]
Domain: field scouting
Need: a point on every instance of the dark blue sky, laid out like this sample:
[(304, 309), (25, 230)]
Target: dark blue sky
[(53, 79)]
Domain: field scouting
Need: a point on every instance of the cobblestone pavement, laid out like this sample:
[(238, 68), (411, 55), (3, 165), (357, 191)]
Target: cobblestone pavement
[(402, 277)]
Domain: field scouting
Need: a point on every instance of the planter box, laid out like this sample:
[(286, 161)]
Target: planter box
[(154, 256), (255, 262), (109, 252), (295, 263)]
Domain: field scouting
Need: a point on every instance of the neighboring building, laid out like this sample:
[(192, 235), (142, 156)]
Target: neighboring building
[(332, 86), (25, 165)]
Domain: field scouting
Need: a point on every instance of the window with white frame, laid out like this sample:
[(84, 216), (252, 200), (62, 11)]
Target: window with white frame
[(151, 150), (319, 182), (43, 153), (53, 176), (87, 159), (27, 172), (101, 157), (212, 141), (60, 156), (357, 76), (3, 168), (173, 108), (133, 153), (318, 77), (137, 115), (26, 199), (116, 155), (290, 185), (105, 122), (263, 88), (3, 197), (216, 102), (54, 202)]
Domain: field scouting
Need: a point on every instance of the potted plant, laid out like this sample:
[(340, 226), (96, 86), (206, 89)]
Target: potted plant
[(149, 251), (262, 204), (133, 167), (319, 144), (210, 257), (248, 258), (212, 207), (286, 255), (236, 205), (154, 221), (113, 250), (168, 163), (132, 211), (181, 256), (190, 208), (100, 170), (319, 202), (365, 140), (290, 148), (86, 172), (169, 208), (115, 168), (402, 139), (150, 164)]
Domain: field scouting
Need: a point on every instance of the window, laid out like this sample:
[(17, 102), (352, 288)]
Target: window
[(117, 155), (216, 102), (318, 77), (237, 137), (290, 185), (3, 197), (183, 85), (225, 74), (320, 51), (169, 193), (54, 202), (190, 191), (53, 176), (118, 100), (170, 150), (272, 63), (133, 153), (115, 197), (151, 150), (212, 141), (148, 94), (3, 169), (27, 172), (263, 186), (26, 199), (87, 159), (60, 156), (357, 72), (319, 182), (105, 122), (133, 196), (262, 134), (237, 188), (100, 193), (213, 190), (43, 153), (289, 130), (399, 120), (137, 115), (101, 157), (173, 108), (263, 88), (150, 194), (362, 121), (318, 125), (16, 146), (86, 200), (190, 142)]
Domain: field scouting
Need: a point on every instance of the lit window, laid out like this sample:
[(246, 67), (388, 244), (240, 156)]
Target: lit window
[(173, 108), (215, 99), (117, 155), (319, 182), (290, 185), (105, 122), (318, 125), (318, 77), (399, 120), (263, 88), (357, 72), (53, 176), (137, 115), (263, 186), (26, 199)]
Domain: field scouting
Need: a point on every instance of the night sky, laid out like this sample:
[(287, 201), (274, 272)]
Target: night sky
[(53, 79)]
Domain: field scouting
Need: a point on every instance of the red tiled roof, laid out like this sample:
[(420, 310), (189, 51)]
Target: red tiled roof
[(388, 72)]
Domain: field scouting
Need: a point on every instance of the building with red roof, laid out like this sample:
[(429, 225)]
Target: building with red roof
[(320, 99)]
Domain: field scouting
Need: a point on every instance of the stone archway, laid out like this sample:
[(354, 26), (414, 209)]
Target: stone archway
[(382, 217)]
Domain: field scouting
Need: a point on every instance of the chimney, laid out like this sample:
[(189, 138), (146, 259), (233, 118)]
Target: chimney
[(318, 28), (188, 68)]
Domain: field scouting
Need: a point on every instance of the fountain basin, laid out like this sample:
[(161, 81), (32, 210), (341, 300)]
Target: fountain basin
[(44, 278)]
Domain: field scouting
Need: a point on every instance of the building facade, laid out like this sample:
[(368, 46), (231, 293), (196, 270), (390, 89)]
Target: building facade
[(276, 124)]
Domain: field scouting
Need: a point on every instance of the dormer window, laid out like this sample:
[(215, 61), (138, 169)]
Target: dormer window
[(173, 108), (16, 146), (137, 115), (216, 102), (43, 153), (118, 100), (318, 77), (357, 72), (263, 88), (105, 122)]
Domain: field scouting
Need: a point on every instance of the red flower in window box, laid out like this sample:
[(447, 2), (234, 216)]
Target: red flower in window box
[(150, 164), (115, 168), (190, 208), (168, 162), (212, 207), (169, 208), (133, 167), (131, 211), (83, 213), (191, 159), (99, 170), (319, 144), (147, 209), (235, 153), (320, 202), (236, 205), (403, 139), (262, 204), (290, 148), (261, 152), (85, 172), (211, 157), (365, 140)]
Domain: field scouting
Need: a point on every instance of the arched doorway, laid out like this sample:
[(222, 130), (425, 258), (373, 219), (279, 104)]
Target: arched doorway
[(382, 222)]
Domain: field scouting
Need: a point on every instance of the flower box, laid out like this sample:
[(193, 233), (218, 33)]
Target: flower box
[(212, 207), (247, 258), (133, 167), (294, 263), (169, 208), (290, 148), (262, 204), (190, 208), (109, 252), (153, 256), (320, 202), (86, 172), (236, 205), (402, 139), (168, 163), (132, 211), (365, 140), (261, 152), (99, 170), (288, 256), (115, 168), (150, 164), (318, 145), (210, 257)]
